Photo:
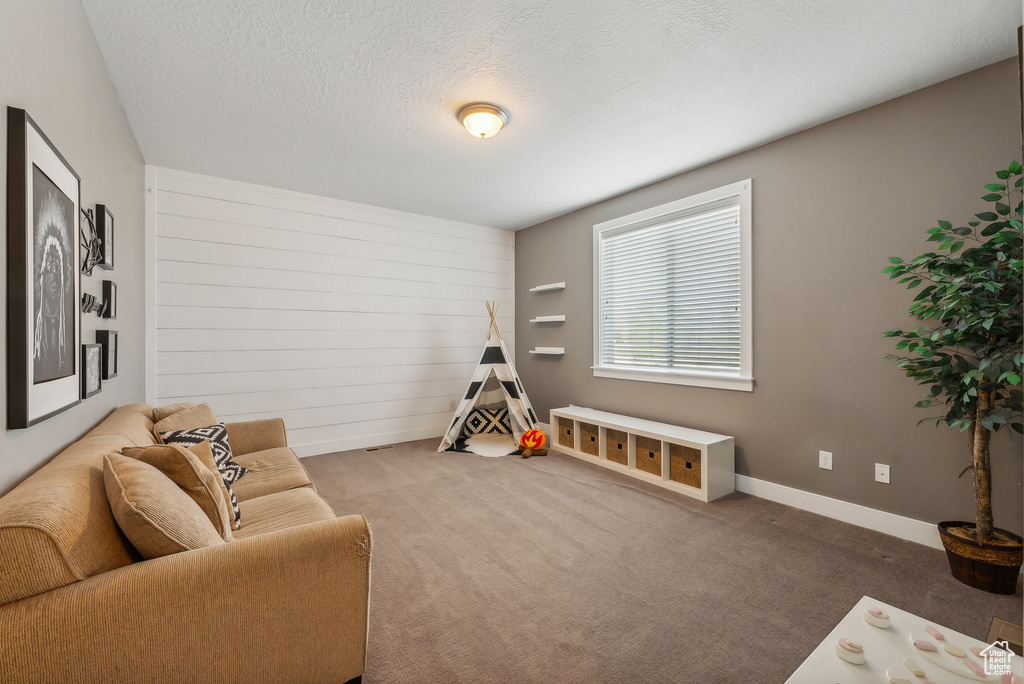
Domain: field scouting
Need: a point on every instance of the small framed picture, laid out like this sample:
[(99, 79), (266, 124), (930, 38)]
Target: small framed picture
[(92, 369), (109, 300), (105, 235), (108, 340)]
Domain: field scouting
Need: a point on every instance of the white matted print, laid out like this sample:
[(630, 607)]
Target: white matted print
[(43, 286)]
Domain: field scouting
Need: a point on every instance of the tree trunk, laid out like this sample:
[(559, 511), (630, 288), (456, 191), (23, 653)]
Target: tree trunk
[(982, 468)]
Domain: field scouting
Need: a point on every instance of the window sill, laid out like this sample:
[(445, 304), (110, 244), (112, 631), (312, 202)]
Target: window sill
[(728, 382)]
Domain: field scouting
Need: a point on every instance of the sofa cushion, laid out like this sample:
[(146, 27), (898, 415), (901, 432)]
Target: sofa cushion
[(270, 471), (186, 419), (185, 469), (161, 412), (156, 516), (281, 510), (217, 436)]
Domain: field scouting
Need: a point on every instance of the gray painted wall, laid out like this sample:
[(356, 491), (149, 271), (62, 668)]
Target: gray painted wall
[(52, 68), (830, 204)]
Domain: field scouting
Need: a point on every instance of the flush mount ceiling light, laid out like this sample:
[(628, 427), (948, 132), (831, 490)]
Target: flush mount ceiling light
[(482, 120)]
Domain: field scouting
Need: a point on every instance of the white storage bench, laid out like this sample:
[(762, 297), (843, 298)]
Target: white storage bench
[(695, 463)]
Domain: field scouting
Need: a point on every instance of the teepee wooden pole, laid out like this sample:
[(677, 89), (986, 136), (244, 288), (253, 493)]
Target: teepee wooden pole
[(492, 309)]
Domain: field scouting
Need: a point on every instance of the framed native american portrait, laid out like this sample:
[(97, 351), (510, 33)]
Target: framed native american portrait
[(43, 284)]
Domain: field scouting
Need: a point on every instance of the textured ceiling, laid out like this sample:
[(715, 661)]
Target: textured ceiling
[(357, 100)]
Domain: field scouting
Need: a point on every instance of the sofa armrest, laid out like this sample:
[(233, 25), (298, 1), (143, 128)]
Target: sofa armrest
[(256, 435), (289, 605)]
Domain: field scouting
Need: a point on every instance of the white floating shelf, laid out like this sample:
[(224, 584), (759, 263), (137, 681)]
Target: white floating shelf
[(548, 350), (548, 288), (560, 318)]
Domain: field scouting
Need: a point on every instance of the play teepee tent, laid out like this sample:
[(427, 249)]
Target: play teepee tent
[(493, 361)]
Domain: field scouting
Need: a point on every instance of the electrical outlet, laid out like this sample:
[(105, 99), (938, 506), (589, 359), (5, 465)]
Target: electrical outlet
[(882, 473), (825, 460)]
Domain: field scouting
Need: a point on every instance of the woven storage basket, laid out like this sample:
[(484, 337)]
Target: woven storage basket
[(588, 439), (616, 444), (648, 455), (565, 432), (684, 466)]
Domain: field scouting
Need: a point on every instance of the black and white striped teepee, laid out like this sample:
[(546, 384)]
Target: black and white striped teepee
[(495, 360)]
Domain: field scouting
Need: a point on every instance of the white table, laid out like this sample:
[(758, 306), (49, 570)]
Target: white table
[(883, 648)]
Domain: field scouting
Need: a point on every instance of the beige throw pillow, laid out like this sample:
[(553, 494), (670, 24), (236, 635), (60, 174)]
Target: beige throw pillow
[(187, 469), (161, 412), (157, 517), (187, 419), (205, 453)]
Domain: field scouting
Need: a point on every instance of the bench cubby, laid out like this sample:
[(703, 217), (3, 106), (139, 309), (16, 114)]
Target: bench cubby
[(696, 463)]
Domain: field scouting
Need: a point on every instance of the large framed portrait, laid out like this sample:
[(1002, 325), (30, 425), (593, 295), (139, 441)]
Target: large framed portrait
[(43, 284)]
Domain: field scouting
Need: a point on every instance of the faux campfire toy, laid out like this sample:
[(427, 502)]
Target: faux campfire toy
[(532, 444)]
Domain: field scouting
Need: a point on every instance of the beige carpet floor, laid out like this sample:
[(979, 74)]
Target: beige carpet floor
[(551, 569)]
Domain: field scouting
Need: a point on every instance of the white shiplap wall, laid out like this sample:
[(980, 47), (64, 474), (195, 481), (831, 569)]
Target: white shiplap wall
[(357, 325)]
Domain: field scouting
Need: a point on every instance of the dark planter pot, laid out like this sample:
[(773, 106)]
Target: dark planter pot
[(990, 568)]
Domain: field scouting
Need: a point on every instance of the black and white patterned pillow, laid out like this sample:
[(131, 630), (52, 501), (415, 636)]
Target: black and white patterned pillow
[(236, 512), (217, 435), (487, 421)]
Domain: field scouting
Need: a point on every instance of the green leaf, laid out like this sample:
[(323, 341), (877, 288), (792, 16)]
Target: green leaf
[(995, 187), (957, 246), (1014, 167), (991, 229), (1002, 209), (924, 403), (973, 223), (962, 230), (1002, 175), (992, 197), (988, 216), (946, 225), (895, 260)]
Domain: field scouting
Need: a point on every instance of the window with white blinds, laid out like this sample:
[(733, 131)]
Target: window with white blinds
[(672, 292)]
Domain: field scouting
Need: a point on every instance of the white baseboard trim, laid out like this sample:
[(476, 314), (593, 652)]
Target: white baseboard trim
[(365, 441), (855, 514)]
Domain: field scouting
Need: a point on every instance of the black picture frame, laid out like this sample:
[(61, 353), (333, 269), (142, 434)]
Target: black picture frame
[(109, 309), (105, 235), (108, 340), (43, 276), (92, 370), (89, 244)]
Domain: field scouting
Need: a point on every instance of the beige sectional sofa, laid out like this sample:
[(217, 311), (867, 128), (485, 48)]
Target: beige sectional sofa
[(285, 601)]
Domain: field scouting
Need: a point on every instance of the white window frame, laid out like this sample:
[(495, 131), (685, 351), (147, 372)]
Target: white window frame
[(741, 191)]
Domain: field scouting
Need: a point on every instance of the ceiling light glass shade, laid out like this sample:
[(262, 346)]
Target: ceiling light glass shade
[(482, 120)]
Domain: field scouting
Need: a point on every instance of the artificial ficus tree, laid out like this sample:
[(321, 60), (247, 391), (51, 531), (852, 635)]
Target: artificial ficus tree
[(968, 352)]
